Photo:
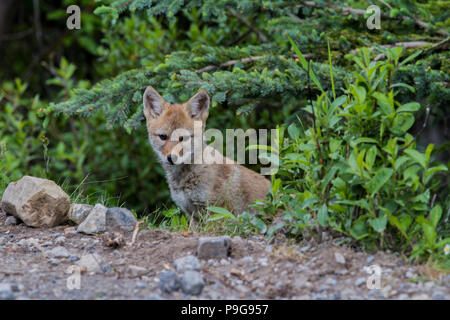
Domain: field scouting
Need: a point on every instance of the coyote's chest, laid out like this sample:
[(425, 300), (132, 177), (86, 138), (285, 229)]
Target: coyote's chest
[(188, 190)]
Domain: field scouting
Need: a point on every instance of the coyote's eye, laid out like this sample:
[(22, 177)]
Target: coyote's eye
[(163, 137)]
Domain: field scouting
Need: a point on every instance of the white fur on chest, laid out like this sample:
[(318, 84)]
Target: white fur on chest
[(179, 197)]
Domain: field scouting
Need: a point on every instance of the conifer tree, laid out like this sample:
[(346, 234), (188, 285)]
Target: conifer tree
[(239, 51)]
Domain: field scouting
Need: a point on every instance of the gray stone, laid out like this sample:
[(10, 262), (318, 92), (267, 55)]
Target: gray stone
[(339, 258), (331, 282), (305, 248), (264, 262), (11, 221), (53, 261), (187, 263), (29, 242), (370, 259), (78, 212), (121, 218), (214, 247), (37, 202), (91, 262), (58, 252), (2, 240), (60, 240), (6, 291), (247, 259), (107, 268), (169, 281), (73, 258), (360, 281), (136, 271), (95, 222), (192, 283)]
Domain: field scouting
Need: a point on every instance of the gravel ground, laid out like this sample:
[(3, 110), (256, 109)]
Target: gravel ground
[(45, 264)]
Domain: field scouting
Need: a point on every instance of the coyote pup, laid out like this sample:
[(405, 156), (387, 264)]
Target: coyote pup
[(194, 184)]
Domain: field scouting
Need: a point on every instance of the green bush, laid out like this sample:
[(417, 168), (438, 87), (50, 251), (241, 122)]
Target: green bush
[(355, 170)]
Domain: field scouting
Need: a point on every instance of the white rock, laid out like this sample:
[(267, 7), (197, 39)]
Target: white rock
[(339, 258), (58, 252), (60, 240), (91, 262), (136, 271)]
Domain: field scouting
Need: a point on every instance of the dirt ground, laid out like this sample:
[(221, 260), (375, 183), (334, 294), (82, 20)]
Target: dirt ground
[(32, 268)]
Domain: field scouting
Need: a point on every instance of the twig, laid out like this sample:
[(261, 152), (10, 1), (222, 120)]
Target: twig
[(260, 35), (135, 232), (406, 45), (361, 12), (433, 200), (16, 36), (420, 131), (37, 24), (243, 60), (438, 44)]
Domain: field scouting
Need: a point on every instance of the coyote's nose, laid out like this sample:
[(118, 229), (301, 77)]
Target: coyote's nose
[(171, 158)]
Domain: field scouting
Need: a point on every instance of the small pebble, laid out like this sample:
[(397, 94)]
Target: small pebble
[(360, 281), (339, 258)]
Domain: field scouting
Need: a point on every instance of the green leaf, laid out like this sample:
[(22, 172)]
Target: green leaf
[(381, 177), (361, 203), (328, 177), (411, 57), (428, 153), (429, 234), (300, 56), (323, 215), (404, 85), (409, 107), (359, 230), (371, 154), (402, 123), (294, 131), (418, 157), (379, 224), (260, 225), (384, 102), (222, 213), (435, 215), (274, 228)]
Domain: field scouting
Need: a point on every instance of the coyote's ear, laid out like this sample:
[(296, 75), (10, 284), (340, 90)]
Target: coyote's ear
[(198, 105), (153, 103)]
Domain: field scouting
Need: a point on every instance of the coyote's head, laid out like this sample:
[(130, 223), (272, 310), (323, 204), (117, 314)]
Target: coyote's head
[(171, 127)]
